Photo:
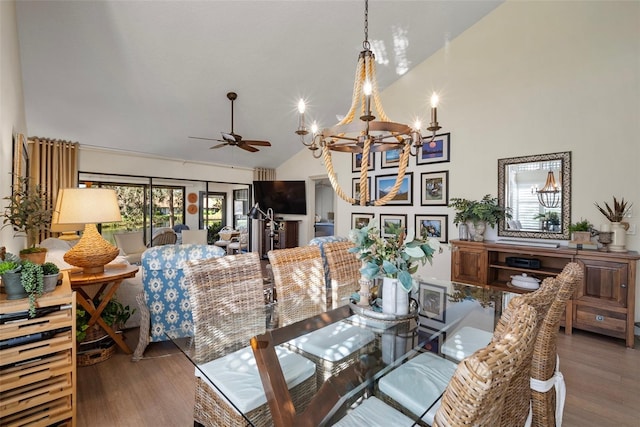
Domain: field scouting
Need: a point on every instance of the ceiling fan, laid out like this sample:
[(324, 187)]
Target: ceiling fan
[(232, 138)]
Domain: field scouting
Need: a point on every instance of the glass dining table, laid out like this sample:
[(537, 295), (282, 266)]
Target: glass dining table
[(347, 373)]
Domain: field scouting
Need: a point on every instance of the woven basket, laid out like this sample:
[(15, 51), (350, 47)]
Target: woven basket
[(94, 356), (94, 333)]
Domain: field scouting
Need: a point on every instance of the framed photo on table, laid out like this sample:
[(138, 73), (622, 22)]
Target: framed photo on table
[(356, 162), (434, 151), (433, 226), (434, 188), (433, 301), (359, 220), (404, 196), (392, 225)]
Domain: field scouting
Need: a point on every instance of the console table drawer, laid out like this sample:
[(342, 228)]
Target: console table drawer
[(596, 319)]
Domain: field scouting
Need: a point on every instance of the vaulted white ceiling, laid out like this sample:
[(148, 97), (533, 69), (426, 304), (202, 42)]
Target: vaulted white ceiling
[(142, 76)]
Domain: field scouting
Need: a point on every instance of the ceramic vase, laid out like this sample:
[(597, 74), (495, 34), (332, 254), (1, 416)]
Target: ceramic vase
[(463, 231), (395, 300), (49, 282), (619, 239)]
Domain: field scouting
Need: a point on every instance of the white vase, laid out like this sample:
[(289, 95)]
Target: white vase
[(395, 300), (619, 239)]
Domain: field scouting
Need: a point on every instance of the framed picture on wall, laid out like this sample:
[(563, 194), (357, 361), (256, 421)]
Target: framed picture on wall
[(355, 193), (434, 151), (359, 220), (390, 158), (433, 300), (434, 188), (392, 225), (404, 196), (356, 162), (432, 226)]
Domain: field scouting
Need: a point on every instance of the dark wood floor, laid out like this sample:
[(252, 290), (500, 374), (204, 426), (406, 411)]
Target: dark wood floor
[(602, 377)]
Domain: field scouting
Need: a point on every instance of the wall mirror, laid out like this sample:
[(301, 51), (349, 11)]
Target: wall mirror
[(537, 189)]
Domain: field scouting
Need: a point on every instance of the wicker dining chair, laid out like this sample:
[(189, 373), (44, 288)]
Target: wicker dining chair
[(419, 381), (344, 272), (476, 393), (546, 406), (226, 299), (298, 276)]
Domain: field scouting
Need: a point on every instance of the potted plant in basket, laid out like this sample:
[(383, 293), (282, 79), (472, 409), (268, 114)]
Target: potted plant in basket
[(479, 213), (27, 213)]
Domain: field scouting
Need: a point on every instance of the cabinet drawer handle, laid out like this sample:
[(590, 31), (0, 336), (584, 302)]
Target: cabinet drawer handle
[(623, 285), (599, 318)]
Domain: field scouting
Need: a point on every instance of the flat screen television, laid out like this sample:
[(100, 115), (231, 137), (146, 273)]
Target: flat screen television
[(284, 197)]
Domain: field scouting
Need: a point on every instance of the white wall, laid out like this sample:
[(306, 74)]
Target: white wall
[(530, 78), (12, 115)]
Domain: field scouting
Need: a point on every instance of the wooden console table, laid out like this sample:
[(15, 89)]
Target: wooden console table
[(113, 275), (604, 301)]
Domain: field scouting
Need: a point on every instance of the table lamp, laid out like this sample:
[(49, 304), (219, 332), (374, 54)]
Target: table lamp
[(89, 206), (67, 232)]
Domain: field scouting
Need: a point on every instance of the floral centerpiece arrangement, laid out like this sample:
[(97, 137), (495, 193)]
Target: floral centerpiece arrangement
[(394, 257)]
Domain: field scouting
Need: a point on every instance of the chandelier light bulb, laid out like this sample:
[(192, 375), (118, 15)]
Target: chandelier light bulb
[(435, 100), (367, 88), (417, 125), (301, 106), (314, 128)]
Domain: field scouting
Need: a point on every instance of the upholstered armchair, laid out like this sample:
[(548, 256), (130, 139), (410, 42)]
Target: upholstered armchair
[(131, 245), (164, 302)]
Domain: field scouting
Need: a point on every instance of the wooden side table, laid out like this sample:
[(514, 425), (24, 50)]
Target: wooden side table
[(113, 275)]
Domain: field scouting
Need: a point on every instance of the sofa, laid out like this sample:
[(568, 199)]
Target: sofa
[(128, 290)]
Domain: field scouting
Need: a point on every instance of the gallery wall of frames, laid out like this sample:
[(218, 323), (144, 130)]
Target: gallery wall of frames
[(425, 188)]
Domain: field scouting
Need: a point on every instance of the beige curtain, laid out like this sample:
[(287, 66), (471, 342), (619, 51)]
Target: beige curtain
[(53, 164)]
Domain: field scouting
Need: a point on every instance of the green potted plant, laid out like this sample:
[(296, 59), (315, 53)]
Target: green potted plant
[(31, 279), (549, 220), (10, 272), (479, 213), (27, 213), (50, 276), (581, 231), (114, 313)]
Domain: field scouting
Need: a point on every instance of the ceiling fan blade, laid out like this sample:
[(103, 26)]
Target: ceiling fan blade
[(260, 143), (206, 139), (247, 147), (219, 145)]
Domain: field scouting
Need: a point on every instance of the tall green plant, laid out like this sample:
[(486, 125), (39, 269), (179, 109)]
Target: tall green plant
[(27, 210), (485, 210)]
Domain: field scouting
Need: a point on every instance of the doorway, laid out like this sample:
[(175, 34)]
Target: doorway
[(324, 215)]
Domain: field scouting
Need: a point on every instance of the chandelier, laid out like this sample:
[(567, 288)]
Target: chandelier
[(549, 195), (367, 134)]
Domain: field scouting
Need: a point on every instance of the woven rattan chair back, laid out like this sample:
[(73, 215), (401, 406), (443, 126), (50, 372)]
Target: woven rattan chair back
[(298, 276), (344, 272), (169, 237), (543, 364), (224, 294), (517, 403), (477, 390)]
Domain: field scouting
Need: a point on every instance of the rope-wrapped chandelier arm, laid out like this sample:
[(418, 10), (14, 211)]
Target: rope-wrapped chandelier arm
[(371, 71), (328, 164), (364, 166), (357, 89), (404, 160)]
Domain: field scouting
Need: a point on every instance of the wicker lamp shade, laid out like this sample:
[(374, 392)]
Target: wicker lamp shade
[(89, 206)]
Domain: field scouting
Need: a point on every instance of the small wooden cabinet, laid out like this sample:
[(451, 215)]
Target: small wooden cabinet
[(603, 303), (285, 236), (38, 361)]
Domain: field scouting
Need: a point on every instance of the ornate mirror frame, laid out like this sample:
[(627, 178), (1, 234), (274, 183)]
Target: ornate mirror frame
[(565, 181)]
